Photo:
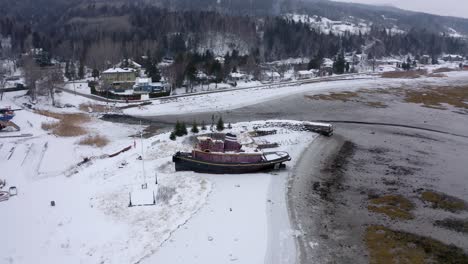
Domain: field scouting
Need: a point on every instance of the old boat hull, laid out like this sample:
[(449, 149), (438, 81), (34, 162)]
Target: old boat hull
[(184, 162)]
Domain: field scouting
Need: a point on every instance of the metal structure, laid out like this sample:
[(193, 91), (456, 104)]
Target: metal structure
[(6, 115)]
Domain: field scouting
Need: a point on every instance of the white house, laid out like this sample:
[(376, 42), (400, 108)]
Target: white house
[(271, 76), (306, 74)]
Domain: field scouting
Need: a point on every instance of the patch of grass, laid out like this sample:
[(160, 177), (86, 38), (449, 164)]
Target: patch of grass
[(435, 97), (444, 201), (377, 104), (459, 225), (390, 246), (97, 141), (404, 74), (67, 125), (393, 206), (94, 108), (341, 96), (437, 75), (445, 69), (346, 97)]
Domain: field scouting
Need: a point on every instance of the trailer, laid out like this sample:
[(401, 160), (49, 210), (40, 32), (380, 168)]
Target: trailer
[(321, 128)]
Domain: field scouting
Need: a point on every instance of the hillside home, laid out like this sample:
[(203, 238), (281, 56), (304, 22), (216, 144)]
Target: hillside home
[(118, 79)]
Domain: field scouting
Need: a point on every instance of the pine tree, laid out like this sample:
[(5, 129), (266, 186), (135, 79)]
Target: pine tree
[(229, 126), (194, 127), (220, 125), (172, 136), (67, 70), (183, 129), (95, 73), (340, 64), (81, 73), (178, 129), (203, 125)]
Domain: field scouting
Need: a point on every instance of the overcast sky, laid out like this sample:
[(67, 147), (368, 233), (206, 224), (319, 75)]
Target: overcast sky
[(440, 7)]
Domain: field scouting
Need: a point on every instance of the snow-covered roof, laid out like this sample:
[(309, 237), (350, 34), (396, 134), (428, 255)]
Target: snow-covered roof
[(305, 72), (236, 75), (118, 70), (142, 80), (272, 74)]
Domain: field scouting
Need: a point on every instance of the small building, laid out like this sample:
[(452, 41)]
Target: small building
[(145, 86), (235, 77), (326, 68), (306, 74), (271, 76), (425, 59), (118, 79), (451, 58), (465, 66)]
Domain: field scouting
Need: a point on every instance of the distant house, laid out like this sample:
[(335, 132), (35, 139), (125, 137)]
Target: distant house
[(306, 74), (235, 77), (145, 86), (327, 67), (118, 79), (451, 57), (271, 76)]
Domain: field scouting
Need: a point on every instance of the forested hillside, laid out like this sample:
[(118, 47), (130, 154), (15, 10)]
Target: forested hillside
[(101, 32)]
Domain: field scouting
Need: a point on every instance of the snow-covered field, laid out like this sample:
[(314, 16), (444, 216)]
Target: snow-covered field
[(240, 98), (198, 218)]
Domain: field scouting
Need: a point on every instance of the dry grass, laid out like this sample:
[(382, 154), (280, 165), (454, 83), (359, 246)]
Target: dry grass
[(97, 141), (347, 97), (459, 225), (393, 206), (68, 125), (443, 70), (94, 108), (435, 97), (342, 96), (444, 201), (437, 75), (390, 246), (404, 74)]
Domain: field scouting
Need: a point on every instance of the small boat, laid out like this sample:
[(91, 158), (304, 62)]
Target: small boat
[(224, 156)]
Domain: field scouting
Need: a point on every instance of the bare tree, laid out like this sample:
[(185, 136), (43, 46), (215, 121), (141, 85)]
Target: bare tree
[(32, 74), (53, 78)]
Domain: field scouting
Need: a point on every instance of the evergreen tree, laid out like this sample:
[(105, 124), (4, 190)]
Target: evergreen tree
[(229, 126), (203, 125), (194, 127), (67, 70), (178, 129), (347, 67), (183, 129), (95, 73), (339, 65), (220, 124), (315, 63), (81, 73), (172, 136)]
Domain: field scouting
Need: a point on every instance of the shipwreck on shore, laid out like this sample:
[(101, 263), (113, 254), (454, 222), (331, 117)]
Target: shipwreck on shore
[(222, 154)]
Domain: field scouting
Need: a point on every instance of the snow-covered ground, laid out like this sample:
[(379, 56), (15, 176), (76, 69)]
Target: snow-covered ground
[(240, 98), (91, 221), (326, 25), (198, 218)]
